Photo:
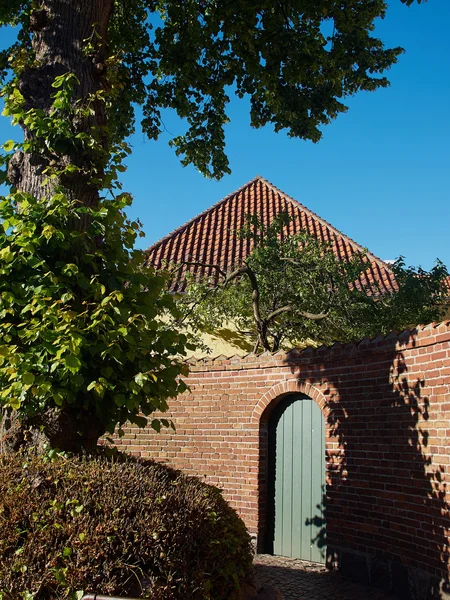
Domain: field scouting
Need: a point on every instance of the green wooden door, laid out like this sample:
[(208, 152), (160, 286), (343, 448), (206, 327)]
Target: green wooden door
[(299, 520)]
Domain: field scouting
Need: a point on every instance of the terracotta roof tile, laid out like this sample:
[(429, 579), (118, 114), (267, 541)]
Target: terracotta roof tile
[(210, 236)]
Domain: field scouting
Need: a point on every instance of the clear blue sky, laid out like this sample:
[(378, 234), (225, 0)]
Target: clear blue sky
[(380, 174)]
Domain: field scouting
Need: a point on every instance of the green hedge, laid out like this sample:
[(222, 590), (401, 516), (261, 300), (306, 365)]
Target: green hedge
[(115, 526)]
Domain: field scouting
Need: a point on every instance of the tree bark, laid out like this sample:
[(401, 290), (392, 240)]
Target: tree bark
[(60, 29), (68, 429)]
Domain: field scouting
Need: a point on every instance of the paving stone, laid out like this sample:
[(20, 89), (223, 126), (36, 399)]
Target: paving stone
[(301, 580)]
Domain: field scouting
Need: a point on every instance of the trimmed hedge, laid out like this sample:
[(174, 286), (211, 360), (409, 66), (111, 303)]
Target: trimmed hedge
[(115, 527)]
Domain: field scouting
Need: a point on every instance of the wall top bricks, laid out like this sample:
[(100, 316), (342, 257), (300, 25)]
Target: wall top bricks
[(419, 337)]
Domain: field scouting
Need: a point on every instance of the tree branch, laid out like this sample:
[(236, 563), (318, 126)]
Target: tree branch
[(314, 316), (255, 292), (306, 314), (213, 288), (278, 311), (234, 274), (206, 265), (261, 324)]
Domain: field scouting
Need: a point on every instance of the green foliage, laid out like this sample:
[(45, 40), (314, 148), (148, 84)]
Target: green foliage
[(52, 134), (115, 527), (81, 327), (80, 316), (293, 289), (421, 297), (296, 61)]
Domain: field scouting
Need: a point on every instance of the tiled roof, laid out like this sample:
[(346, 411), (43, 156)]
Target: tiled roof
[(210, 237)]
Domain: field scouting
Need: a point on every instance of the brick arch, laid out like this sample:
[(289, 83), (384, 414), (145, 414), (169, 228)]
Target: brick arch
[(283, 388), (260, 421)]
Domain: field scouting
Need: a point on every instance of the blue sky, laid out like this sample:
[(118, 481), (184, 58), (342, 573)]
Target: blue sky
[(380, 174)]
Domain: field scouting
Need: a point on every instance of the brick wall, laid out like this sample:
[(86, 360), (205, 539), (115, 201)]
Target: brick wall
[(386, 404)]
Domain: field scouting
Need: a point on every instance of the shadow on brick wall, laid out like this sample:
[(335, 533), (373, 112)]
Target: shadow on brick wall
[(387, 512)]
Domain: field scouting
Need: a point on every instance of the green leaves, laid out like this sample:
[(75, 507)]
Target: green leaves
[(28, 378), (296, 76), (8, 146), (72, 363), (421, 296), (6, 255), (295, 291), (76, 326), (82, 321)]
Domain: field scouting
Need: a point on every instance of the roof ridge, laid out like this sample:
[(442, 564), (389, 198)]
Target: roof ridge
[(326, 223), (202, 214)]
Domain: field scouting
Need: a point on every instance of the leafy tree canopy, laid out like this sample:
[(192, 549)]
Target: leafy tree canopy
[(293, 289), (296, 60)]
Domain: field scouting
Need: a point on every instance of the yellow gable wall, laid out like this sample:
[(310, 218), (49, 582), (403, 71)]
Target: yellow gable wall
[(229, 342), (226, 341)]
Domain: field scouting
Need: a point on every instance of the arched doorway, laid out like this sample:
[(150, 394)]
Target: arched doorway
[(296, 490)]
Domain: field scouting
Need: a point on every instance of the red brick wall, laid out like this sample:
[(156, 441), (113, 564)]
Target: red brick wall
[(387, 407)]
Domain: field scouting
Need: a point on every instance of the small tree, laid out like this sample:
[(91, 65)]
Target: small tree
[(294, 289), (421, 297)]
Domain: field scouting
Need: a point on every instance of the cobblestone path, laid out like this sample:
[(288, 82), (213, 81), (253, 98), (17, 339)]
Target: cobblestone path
[(300, 580)]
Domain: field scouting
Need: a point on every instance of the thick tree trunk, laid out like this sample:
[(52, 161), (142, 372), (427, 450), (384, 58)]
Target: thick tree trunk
[(60, 30), (67, 429)]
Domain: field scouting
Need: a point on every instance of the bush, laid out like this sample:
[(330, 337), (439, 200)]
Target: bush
[(115, 526)]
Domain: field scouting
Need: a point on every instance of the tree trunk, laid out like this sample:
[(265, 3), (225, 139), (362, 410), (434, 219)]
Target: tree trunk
[(261, 327), (68, 430), (60, 30)]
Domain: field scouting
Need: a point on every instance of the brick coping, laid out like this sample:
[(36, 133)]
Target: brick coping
[(420, 336)]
